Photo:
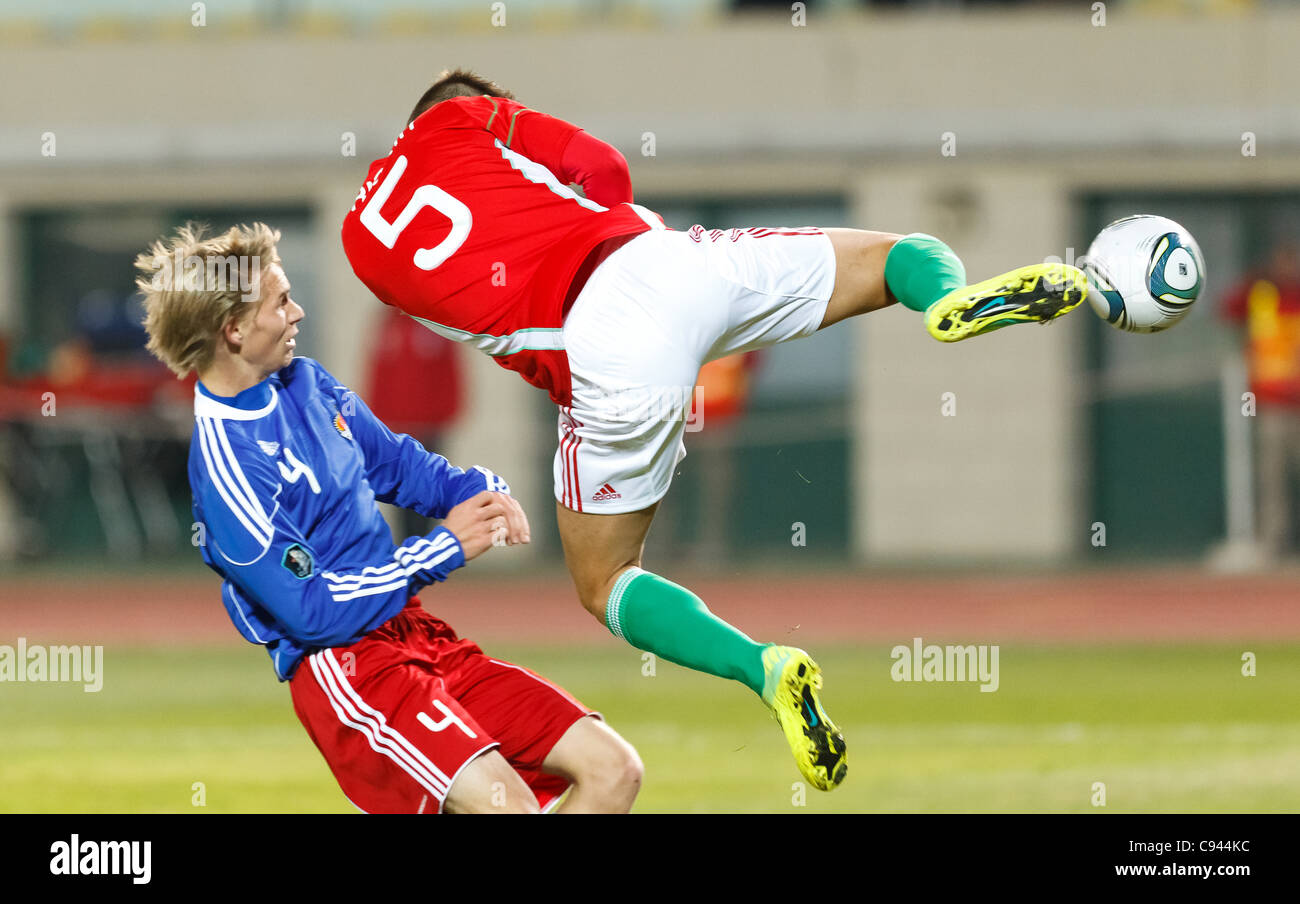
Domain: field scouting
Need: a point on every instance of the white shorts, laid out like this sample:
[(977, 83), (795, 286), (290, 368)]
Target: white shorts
[(646, 320)]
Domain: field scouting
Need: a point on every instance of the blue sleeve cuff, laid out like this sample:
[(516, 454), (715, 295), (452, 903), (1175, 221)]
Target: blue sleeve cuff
[(458, 558), (447, 557)]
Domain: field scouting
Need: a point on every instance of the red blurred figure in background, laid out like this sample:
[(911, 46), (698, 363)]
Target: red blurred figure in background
[(723, 387), (414, 380), (722, 393), (1267, 304)]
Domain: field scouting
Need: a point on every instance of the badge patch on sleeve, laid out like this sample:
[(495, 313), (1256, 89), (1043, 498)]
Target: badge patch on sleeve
[(298, 561), (342, 426)]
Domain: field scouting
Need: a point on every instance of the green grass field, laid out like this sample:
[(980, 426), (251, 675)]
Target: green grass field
[(1167, 729)]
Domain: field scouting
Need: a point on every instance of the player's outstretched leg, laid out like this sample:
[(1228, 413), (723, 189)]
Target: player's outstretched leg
[(651, 613), (924, 275), (876, 269)]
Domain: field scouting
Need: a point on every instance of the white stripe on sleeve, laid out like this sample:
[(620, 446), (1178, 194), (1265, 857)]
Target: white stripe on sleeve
[(258, 527)]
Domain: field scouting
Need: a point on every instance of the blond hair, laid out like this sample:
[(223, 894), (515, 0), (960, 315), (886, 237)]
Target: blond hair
[(194, 284)]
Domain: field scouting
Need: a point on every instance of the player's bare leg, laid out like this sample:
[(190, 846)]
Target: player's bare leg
[(603, 553), (489, 785), (604, 769), (598, 548), (859, 273)]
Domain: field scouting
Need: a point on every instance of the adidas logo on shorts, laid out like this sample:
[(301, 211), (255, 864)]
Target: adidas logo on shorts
[(606, 493)]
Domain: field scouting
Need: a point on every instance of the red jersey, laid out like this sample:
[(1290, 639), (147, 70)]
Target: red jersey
[(469, 226), (415, 382)]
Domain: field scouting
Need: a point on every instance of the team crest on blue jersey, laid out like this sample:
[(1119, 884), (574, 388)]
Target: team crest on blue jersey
[(298, 561), (342, 426)]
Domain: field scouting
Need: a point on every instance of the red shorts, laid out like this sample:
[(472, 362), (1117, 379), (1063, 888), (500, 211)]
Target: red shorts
[(400, 713)]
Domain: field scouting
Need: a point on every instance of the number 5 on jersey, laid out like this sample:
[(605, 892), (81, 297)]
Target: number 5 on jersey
[(424, 196)]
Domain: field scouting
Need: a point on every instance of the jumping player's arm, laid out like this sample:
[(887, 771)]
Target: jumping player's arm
[(599, 168), (563, 148), (252, 540)]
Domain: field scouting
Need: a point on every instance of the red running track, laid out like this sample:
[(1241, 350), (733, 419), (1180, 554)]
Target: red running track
[(1138, 606)]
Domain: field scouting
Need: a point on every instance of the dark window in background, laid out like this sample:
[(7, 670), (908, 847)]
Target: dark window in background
[(78, 274), (110, 481)]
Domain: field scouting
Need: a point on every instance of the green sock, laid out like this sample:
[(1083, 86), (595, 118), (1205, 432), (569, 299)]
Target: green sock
[(920, 270), (666, 619)]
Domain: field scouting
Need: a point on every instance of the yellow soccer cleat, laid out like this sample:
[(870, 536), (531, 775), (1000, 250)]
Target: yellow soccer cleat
[(790, 691), (1034, 294)]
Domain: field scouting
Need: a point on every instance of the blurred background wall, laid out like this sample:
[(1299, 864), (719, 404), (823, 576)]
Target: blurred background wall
[(1012, 130)]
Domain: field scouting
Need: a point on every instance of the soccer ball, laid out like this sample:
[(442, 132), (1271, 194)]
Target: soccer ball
[(1144, 272)]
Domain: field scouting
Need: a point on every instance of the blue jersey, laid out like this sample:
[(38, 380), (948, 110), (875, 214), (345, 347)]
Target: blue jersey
[(285, 478)]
